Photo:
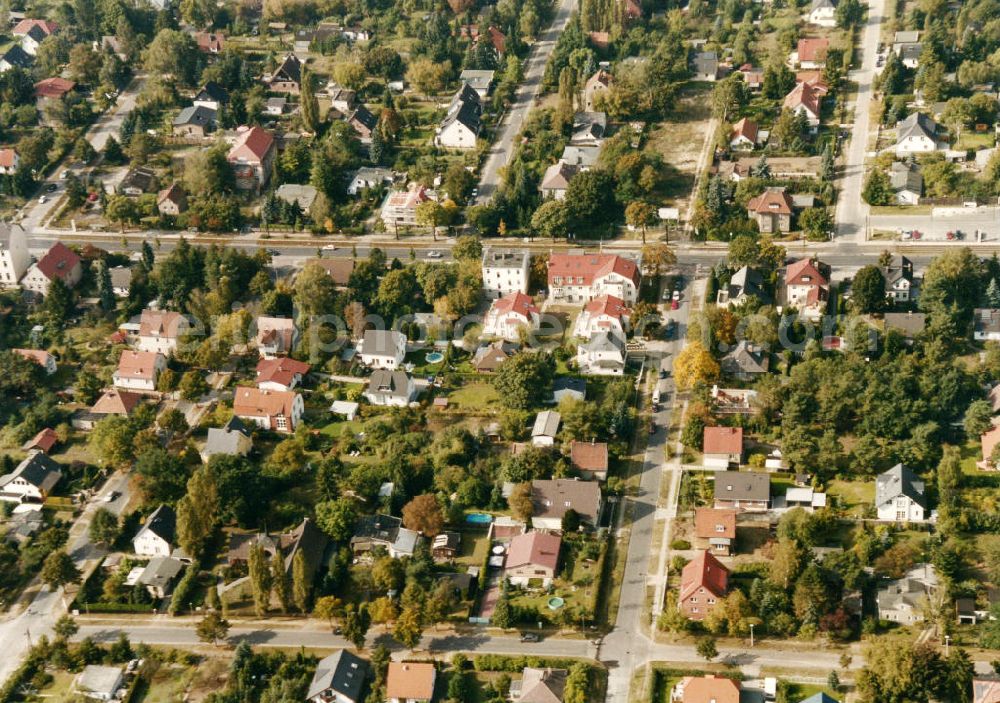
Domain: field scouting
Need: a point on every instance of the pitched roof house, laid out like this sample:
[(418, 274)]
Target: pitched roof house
[(900, 496), (722, 446), (746, 361), (40, 357), (139, 370), (532, 559), (583, 277), (287, 77), (590, 459), (916, 134), (603, 313), (704, 582), (744, 134), (552, 498), (596, 85), (172, 200), (706, 689), (539, 686), (382, 349), (384, 531), (391, 387), (546, 428), (275, 336), (410, 682), (807, 287), (272, 410), (806, 99), (116, 402), (510, 315), (251, 157), (811, 52), (718, 526), (229, 440), (771, 210), (488, 357), (157, 535), (743, 490), (339, 678), (555, 180), (161, 331), (32, 480), (746, 283), (59, 262), (281, 373)]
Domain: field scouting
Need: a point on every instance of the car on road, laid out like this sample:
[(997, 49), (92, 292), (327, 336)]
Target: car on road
[(330, 247), (675, 304), (434, 254), (42, 199), (676, 295), (475, 193), (274, 252), (530, 637), (51, 188), (670, 329), (111, 497)]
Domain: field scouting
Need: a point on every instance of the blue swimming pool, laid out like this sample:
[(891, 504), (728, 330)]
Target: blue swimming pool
[(479, 518), (434, 357)]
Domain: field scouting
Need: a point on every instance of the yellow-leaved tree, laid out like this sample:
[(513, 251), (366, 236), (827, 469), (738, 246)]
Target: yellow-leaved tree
[(695, 363)]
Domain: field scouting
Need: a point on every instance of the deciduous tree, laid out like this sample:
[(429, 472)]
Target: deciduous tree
[(423, 514)]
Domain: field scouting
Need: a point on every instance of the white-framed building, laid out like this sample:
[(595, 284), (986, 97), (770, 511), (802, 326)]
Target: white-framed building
[(279, 411), (505, 271), (578, 278), (823, 13), (390, 388), (32, 480), (510, 316), (157, 535), (139, 370), (917, 134), (461, 125), (160, 331), (41, 357), (59, 262), (605, 313), (546, 428), (382, 349), (14, 255), (899, 496), (602, 355)]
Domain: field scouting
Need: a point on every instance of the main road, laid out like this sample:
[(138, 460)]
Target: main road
[(527, 92), (852, 212)]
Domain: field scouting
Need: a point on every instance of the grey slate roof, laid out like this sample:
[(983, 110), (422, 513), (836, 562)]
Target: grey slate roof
[(748, 281), (605, 341), (213, 91), (745, 358), (916, 124), (465, 109), (380, 342), (160, 572), (742, 485), (16, 56), (38, 470), (391, 383), (222, 441), (197, 115), (121, 276), (162, 523), (342, 672), (909, 323), (899, 481), (546, 424), (906, 177)]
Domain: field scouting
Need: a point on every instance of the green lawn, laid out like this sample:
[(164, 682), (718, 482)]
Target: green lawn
[(475, 545), (476, 396), (853, 495), (976, 140)]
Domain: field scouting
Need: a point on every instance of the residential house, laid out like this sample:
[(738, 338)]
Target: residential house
[(771, 210), (121, 280), (383, 531), (907, 183), (251, 157), (985, 689), (598, 84), (272, 410), (382, 349), (746, 361), (275, 336), (159, 576), (823, 13), (303, 195), (733, 401), (367, 177), (400, 206), (41, 357), (15, 257), (532, 559), (807, 287), (32, 33), (342, 102), (988, 441), (195, 121), (115, 402), (43, 441), (171, 201), (489, 357), (753, 76), (59, 262), (898, 277), (568, 387), (704, 582), (603, 313), (306, 539), (781, 167), (905, 600), (706, 689), (588, 128), (510, 316), (820, 697), (551, 499), (212, 96), (137, 181), (908, 324), (363, 122), (916, 134), (908, 47), (804, 497), (15, 57), (100, 683), (339, 270), (582, 156), (718, 527), (287, 77), (745, 284), (900, 496), (210, 42), (546, 428), (555, 180), (505, 271), (722, 447), (590, 459), (461, 124), (32, 480), (986, 325), (705, 66), (55, 88), (539, 686), (479, 81), (410, 682), (744, 135), (805, 99), (161, 330), (139, 370), (602, 355), (232, 439), (811, 52), (390, 387), (339, 678), (583, 277), (280, 373), (743, 490), (445, 546)]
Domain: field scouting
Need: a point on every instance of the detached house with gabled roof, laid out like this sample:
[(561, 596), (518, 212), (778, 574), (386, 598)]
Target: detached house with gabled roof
[(40, 357), (232, 439), (555, 180), (15, 57), (280, 411), (32, 480), (339, 678), (363, 122), (15, 257), (590, 459), (917, 134), (60, 262), (745, 284), (718, 527), (722, 447), (539, 686), (704, 582), (157, 535), (706, 689), (461, 124), (898, 276), (382, 349), (287, 77), (823, 13), (807, 287), (811, 52), (771, 210), (551, 499), (597, 84), (281, 373), (139, 370), (510, 316), (251, 157), (576, 278), (743, 490), (410, 682), (213, 96), (605, 313), (744, 135), (807, 100), (160, 331), (275, 336), (533, 558), (900, 496)]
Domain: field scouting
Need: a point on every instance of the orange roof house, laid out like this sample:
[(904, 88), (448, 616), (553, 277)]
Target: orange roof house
[(718, 526), (53, 87), (281, 373), (706, 689), (590, 458), (410, 681), (812, 51), (704, 582)]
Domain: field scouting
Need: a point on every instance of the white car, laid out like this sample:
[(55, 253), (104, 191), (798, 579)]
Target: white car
[(676, 295), (434, 255), (330, 247), (42, 199)]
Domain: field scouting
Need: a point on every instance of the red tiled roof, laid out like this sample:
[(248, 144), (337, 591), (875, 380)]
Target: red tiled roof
[(813, 49), (723, 440), (25, 25), (115, 402), (58, 261), (53, 87), (589, 456), (209, 41), (161, 323), (252, 145), (39, 356), (7, 158), (607, 305), (137, 364), (591, 266), (707, 522), (805, 95), (534, 549), (253, 402), (745, 128), (804, 272), (410, 680), (282, 370), (704, 571), (518, 303), (771, 202), (814, 79), (710, 689), (498, 39), (44, 440)]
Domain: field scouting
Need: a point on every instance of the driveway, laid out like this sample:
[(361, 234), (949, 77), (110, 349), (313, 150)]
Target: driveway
[(524, 99)]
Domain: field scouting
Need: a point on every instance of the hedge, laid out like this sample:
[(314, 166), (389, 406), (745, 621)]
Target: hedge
[(116, 607), (184, 588), (514, 664)]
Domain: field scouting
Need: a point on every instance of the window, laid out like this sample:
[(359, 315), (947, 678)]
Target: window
[(720, 528)]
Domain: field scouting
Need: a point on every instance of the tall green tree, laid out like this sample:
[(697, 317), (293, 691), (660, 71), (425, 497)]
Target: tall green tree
[(260, 579), (301, 582), (309, 105)]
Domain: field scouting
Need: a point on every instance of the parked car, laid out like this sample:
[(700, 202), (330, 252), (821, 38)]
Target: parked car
[(674, 304), (530, 637), (434, 254)]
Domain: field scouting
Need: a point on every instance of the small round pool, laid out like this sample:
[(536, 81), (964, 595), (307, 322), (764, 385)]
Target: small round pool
[(434, 357), (555, 603)]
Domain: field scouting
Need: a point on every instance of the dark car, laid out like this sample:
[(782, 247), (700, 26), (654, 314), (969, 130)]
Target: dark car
[(530, 637), (671, 329)]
